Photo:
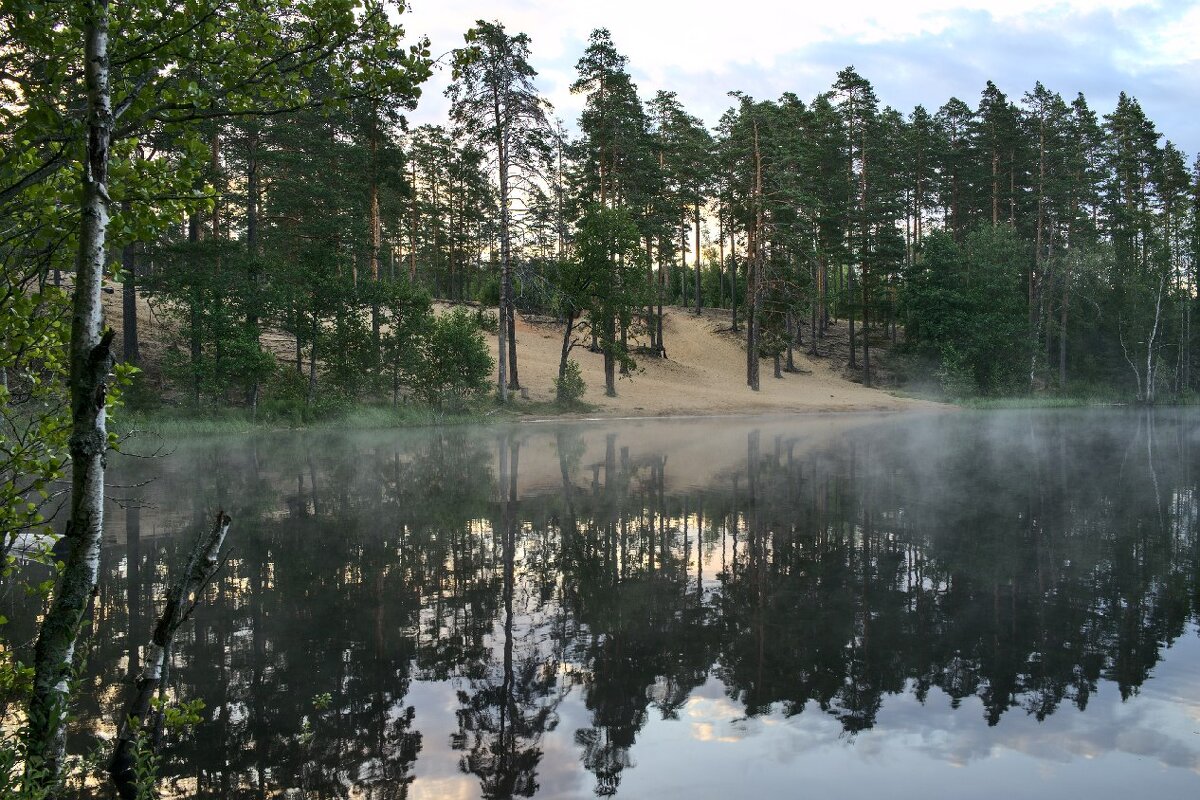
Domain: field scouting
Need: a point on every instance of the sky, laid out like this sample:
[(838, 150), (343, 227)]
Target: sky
[(912, 51)]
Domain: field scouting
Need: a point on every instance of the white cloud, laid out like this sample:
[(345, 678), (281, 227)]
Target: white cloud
[(702, 48)]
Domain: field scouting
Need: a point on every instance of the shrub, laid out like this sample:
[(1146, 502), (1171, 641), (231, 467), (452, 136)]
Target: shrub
[(487, 321), (489, 292), (284, 396), (569, 387), (455, 363)]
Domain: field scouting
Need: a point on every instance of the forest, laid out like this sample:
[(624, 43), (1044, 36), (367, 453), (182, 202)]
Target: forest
[(1007, 246), (247, 170)]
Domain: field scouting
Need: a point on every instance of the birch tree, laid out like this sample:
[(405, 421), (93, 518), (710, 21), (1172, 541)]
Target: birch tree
[(112, 73), (90, 362)]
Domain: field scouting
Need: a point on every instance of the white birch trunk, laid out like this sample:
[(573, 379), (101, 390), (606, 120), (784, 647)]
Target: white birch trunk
[(91, 361), (1150, 377)]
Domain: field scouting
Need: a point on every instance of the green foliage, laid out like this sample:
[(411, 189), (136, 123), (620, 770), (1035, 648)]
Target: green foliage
[(23, 776), (454, 363), (146, 766), (207, 294), (177, 718), (181, 716), (487, 321), (610, 255), (34, 419), (351, 364), (166, 76), (320, 702), (569, 387), (407, 315), (284, 396), (963, 307), (489, 291)]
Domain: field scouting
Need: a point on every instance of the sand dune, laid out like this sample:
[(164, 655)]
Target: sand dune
[(704, 373)]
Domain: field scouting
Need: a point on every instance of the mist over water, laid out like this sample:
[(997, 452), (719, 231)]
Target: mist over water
[(961, 604)]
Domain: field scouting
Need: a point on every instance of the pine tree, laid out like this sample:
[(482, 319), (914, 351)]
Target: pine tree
[(615, 159), (495, 104), (954, 164), (858, 108)]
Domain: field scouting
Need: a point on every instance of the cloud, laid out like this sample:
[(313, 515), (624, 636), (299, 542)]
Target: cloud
[(924, 51)]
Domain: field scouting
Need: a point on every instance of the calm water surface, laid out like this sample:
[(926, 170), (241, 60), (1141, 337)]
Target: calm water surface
[(954, 605)]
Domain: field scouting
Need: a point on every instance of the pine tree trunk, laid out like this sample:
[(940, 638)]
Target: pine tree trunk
[(1062, 331), (866, 344), (866, 268), (299, 343), (662, 290), (129, 321), (651, 324), (514, 382), (995, 186), (312, 363), (214, 144), (1187, 335), (733, 322), (502, 329), (853, 343), (610, 382), (791, 342), (375, 231), (252, 322), (721, 257), (91, 360), (699, 299), (412, 229), (813, 312), (824, 319), (1151, 368), (194, 319), (754, 277), (683, 266)]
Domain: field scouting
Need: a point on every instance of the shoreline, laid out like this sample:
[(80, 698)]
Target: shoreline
[(232, 421), (382, 418)]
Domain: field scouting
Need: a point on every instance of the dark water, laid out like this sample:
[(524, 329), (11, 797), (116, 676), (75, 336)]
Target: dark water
[(957, 605)]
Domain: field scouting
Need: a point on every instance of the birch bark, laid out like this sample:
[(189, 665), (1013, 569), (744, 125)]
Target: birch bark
[(91, 360)]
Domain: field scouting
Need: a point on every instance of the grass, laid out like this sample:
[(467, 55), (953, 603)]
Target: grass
[(216, 421), (1036, 401), (187, 421), (1000, 403)]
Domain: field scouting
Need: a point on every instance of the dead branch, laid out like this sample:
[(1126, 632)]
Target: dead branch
[(183, 597)]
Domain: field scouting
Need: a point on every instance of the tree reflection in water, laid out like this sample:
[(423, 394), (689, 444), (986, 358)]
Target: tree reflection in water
[(1020, 559)]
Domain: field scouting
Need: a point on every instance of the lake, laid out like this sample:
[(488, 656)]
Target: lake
[(971, 604)]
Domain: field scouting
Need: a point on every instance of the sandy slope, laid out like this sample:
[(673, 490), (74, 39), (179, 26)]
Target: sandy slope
[(705, 373)]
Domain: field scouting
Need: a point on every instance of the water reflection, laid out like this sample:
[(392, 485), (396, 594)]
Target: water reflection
[(506, 612)]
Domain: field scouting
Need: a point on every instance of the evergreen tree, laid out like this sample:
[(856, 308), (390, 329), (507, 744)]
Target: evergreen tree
[(614, 158), (610, 254), (954, 162), (495, 105)]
